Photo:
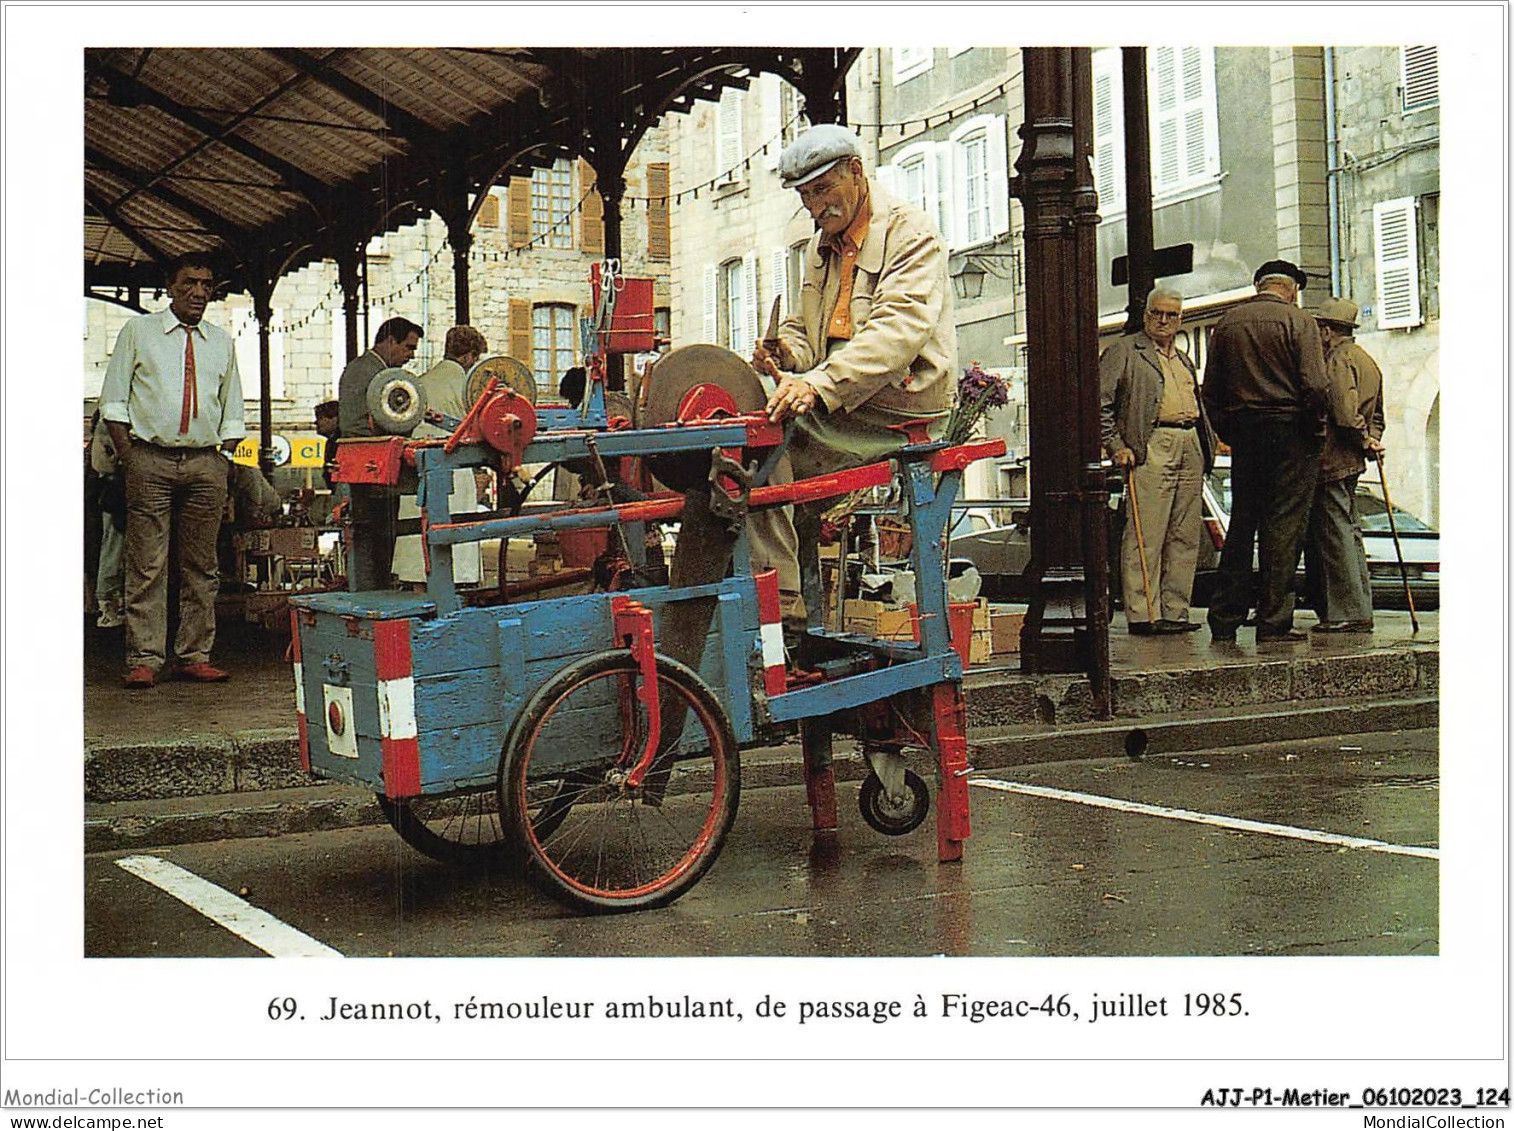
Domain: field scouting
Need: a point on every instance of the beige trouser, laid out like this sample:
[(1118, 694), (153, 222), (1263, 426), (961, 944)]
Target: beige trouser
[(1168, 489), (183, 491)]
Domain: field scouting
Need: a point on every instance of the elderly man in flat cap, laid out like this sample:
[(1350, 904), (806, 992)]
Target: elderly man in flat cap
[(873, 343), (1335, 558), (1264, 390)]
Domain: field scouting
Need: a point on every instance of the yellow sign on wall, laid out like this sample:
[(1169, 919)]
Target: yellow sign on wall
[(307, 450)]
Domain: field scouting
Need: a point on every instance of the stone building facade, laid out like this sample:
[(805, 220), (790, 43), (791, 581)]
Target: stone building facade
[(526, 293)]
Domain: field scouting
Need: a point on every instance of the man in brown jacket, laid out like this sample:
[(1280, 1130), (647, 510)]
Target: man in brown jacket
[(1335, 559), (873, 343), (1264, 389)]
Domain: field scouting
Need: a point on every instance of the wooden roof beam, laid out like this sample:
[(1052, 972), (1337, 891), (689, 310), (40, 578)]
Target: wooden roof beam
[(320, 71), (113, 218)]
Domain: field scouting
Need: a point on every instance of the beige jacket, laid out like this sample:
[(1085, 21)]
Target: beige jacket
[(1356, 410), (902, 355)]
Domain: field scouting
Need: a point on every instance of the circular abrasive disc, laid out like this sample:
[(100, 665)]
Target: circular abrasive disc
[(669, 382), (513, 375)]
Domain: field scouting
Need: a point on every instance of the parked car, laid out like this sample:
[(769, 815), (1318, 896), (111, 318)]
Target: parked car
[(1001, 553)]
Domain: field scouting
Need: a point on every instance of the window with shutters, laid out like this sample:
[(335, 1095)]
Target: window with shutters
[(518, 211), (979, 193), (796, 274), (591, 213), (520, 330), (552, 342), (552, 205), (729, 151), (1421, 78), (659, 231), (912, 186), (733, 306), (912, 61), (1108, 131), (488, 211), (1396, 237), (1183, 123)]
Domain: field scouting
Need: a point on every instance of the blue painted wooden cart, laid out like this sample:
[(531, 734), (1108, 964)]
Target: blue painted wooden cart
[(559, 730)]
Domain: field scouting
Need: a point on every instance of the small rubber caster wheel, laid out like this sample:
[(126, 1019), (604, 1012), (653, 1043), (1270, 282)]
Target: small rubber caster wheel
[(888, 818)]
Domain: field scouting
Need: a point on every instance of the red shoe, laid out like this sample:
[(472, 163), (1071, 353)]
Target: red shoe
[(200, 673), (139, 678)]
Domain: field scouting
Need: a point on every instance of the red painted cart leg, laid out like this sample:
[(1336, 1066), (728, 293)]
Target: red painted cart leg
[(949, 734), (819, 778)]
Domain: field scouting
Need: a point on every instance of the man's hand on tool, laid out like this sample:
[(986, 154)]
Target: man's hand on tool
[(1124, 458), (794, 397), (771, 356)]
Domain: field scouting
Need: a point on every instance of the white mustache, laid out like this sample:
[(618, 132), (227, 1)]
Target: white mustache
[(831, 212)]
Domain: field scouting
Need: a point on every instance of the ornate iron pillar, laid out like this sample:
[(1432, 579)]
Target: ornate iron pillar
[(459, 217), (347, 273), (262, 308), (1067, 626)]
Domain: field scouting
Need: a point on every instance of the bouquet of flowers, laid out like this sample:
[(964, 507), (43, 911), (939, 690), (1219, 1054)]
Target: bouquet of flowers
[(977, 392)]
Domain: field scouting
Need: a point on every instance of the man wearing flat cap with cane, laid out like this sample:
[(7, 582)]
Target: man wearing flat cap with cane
[(1264, 390), (873, 343), (1335, 558)]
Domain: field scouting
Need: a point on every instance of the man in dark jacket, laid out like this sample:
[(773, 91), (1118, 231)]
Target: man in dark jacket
[(1155, 432), (1335, 557), (1264, 389)]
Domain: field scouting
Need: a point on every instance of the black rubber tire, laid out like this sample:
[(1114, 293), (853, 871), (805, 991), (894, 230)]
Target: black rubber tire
[(462, 829), (883, 817), (670, 836)]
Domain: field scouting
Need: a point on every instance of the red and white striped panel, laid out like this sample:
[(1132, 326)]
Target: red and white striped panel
[(396, 707), (299, 690), (770, 619)]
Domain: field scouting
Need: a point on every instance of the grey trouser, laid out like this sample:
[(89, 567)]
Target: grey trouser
[(374, 511), (1168, 491), (182, 491), (1335, 557)]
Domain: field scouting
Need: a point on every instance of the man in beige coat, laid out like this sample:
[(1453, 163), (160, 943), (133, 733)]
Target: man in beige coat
[(873, 343)]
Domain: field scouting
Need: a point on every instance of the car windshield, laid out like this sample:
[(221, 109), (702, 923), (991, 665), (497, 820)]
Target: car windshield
[(1374, 514)]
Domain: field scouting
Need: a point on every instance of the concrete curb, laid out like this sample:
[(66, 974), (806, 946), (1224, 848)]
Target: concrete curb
[(252, 761), (132, 825)]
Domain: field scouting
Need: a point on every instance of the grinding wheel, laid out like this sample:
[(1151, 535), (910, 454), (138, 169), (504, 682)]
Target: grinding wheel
[(513, 375), (395, 401), (664, 389)]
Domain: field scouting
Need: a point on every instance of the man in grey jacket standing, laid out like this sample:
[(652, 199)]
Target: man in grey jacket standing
[(1264, 390), (1155, 432)]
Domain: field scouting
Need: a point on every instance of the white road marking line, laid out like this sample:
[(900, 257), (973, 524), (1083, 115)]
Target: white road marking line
[(1238, 823), (262, 930)]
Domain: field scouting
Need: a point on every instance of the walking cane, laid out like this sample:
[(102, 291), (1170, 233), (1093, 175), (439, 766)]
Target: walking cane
[(1403, 572), (1135, 517)]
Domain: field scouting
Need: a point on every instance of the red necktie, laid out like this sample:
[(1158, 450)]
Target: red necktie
[(191, 387)]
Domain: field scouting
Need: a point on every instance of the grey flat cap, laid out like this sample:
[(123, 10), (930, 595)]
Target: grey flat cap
[(1337, 311), (815, 151)]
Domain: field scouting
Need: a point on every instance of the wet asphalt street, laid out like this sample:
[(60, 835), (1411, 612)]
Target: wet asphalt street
[(1069, 869)]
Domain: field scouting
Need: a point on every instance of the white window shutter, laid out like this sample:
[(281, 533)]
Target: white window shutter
[(887, 177), (998, 176), (779, 280), (728, 149), (1421, 77), (770, 91), (1109, 131), (1396, 238), (748, 304), (711, 303), (943, 157)]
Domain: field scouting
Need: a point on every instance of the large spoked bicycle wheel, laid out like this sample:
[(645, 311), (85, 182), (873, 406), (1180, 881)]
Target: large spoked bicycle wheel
[(459, 828), (464, 829), (610, 847)]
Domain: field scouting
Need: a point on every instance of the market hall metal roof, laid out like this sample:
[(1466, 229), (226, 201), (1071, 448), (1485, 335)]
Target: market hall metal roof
[(270, 158)]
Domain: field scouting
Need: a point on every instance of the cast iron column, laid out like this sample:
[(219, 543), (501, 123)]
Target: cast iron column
[(1139, 241), (1067, 626), (461, 238), (262, 307), (346, 269)]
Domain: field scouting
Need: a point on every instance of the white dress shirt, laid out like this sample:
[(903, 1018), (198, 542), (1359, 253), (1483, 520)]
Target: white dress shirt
[(144, 383)]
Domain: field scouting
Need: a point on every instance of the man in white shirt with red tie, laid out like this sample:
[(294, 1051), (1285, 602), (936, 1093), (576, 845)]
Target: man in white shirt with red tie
[(172, 400)]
